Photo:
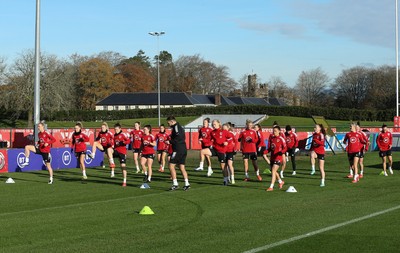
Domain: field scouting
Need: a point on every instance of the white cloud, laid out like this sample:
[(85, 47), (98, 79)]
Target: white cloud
[(364, 21), (287, 29)]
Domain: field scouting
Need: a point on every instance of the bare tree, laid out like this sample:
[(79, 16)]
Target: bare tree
[(311, 85), (351, 87), (3, 67), (204, 77)]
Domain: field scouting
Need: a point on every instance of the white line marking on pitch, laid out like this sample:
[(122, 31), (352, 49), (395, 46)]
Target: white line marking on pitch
[(322, 230)]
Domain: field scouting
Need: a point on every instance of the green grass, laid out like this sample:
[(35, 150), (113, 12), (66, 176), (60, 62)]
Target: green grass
[(101, 216)]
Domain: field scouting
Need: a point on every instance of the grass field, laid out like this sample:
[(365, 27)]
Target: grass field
[(101, 216)]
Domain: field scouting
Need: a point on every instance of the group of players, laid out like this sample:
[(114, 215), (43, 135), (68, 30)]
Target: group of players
[(219, 141)]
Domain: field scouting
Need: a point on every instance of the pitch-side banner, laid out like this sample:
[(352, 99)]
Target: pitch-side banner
[(3, 161), (61, 158)]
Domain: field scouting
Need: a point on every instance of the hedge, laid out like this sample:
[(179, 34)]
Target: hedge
[(333, 113)]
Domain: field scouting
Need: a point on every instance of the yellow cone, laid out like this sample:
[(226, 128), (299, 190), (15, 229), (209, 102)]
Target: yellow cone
[(146, 211)]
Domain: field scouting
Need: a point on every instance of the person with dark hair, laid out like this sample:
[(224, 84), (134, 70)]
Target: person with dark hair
[(206, 146), (385, 142), (261, 146), (318, 151), (147, 157), (42, 148), (136, 135), (162, 147), (292, 143), (179, 153), (354, 141), (248, 139), (230, 150), (276, 146), (79, 140), (120, 141)]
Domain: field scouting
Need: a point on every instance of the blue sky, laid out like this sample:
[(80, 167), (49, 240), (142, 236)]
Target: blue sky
[(266, 37)]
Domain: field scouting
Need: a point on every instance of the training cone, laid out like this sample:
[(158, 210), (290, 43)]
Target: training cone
[(10, 181), (145, 186), (146, 210), (291, 189), (267, 171)]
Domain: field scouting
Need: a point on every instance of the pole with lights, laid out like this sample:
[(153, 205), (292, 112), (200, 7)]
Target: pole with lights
[(158, 34)]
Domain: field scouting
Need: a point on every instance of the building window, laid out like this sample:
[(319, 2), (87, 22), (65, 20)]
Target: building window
[(105, 108)]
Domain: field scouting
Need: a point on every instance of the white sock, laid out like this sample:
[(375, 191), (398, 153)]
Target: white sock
[(351, 171), (124, 180), (145, 173), (111, 161), (149, 178), (137, 166), (187, 182), (390, 167), (209, 168), (323, 181), (27, 159), (271, 186), (84, 173), (280, 181), (362, 172), (257, 172), (51, 179), (312, 167), (201, 164), (247, 174), (175, 182)]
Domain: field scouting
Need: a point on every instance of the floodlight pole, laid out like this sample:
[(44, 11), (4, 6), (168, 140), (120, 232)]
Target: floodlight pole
[(36, 105), (158, 34)]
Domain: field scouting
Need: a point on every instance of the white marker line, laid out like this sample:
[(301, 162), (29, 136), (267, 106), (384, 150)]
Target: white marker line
[(319, 231)]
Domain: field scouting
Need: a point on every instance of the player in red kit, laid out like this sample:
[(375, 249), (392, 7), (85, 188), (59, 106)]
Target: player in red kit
[(318, 151), (248, 139), (162, 147), (230, 150), (147, 157), (385, 142), (355, 142), (120, 141), (219, 139), (292, 143), (42, 148), (261, 146), (104, 142), (364, 148), (205, 141), (79, 140), (276, 146), (136, 135)]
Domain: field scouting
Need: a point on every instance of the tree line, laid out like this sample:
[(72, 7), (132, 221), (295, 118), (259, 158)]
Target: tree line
[(79, 82)]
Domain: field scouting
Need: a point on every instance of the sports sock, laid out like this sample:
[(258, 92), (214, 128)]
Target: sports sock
[(247, 174), (280, 181), (84, 173), (27, 159), (323, 181), (361, 172), (201, 164), (149, 178), (257, 172), (186, 182), (124, 180), (351, 171), (226, 179), (111, 161), (312, 167), (175, 182), (145, 172), (271, 186)]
